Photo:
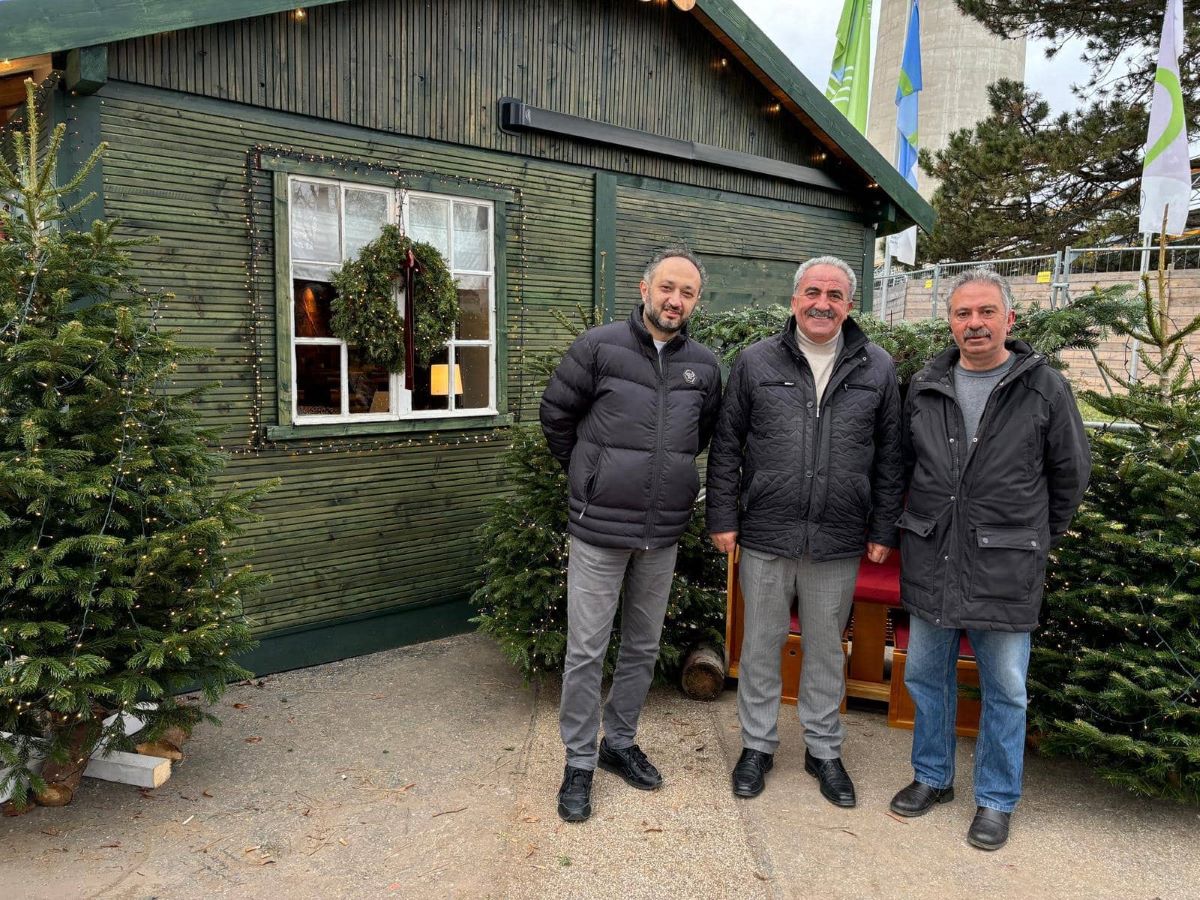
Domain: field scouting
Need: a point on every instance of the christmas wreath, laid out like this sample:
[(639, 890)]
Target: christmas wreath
[(365, 314)]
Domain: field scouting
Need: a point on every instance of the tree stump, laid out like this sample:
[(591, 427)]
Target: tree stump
[(704, 672), (62, 778)]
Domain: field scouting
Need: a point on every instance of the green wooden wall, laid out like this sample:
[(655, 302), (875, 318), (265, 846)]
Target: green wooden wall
[(437, 69), (750, 248)]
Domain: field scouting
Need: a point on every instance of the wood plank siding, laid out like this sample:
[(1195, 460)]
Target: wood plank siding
[(436, 69), (369, 523)]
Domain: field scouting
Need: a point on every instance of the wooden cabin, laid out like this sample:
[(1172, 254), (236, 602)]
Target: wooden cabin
[(547, 147)]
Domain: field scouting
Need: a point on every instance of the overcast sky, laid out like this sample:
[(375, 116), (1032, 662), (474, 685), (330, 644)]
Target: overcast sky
[(805, 31)]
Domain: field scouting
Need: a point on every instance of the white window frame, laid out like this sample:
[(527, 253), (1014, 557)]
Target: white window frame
[(399, 399)]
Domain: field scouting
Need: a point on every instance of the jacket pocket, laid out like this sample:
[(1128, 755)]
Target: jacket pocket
[(919, 566), (1008, 558), (589, 486)]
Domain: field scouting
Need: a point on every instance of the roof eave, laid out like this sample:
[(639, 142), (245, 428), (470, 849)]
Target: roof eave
[(726, 21)]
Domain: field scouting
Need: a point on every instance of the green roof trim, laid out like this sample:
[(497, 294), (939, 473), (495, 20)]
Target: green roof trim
[(762, 52), (32, 27)]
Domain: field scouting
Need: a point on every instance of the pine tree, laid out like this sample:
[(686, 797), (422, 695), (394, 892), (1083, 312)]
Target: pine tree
[(522, 601), (1115, 672), (117, 584), (1023, 181)]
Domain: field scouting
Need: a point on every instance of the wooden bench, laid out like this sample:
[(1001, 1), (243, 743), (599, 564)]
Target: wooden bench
[(877, 589)]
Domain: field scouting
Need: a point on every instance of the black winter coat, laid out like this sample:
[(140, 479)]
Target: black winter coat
[(980, 519), (790, 481), (628, 432)]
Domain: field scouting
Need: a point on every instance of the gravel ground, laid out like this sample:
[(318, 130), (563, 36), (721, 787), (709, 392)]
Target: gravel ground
[(430, 771)]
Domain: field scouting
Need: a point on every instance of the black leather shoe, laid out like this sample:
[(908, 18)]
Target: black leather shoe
[(750, 773), (989, 831), (836, 786), (575, 795), (631, 764), (918, 798)]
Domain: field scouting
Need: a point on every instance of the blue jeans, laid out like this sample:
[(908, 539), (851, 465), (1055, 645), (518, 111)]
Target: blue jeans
[(931, 678)]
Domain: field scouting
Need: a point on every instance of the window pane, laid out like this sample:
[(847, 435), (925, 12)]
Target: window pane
[(427, 222), (470, 236), (369, 386), (476, 387), (318, 379), (366, 214), (473, 319), (314, 221), (423, 397), (311, 308)]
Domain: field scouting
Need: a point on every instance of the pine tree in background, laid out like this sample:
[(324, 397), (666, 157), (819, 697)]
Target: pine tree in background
[(116, 582), (523, 599), (1115, 672)]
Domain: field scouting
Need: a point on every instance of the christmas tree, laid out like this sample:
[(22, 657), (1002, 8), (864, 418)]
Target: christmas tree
[(523, 599), (1115, 673), (117, 585)]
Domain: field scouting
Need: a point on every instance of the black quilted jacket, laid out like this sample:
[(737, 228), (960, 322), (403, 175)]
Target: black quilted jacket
[(628, 434), (791, 482)]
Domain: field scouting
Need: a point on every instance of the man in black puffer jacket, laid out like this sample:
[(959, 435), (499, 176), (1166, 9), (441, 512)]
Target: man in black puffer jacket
[(625, 413), (805, 473)]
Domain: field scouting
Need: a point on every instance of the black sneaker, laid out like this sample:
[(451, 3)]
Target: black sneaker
[(575, 795), (631, 764)]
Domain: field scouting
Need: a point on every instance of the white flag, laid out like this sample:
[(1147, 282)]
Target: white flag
[(903, 246), (1167, 173)]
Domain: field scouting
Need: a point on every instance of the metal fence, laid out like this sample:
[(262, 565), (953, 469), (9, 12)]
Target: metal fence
[(1047, 279)]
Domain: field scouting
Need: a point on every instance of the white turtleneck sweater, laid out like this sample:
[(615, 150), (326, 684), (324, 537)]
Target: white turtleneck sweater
[(821, 358)]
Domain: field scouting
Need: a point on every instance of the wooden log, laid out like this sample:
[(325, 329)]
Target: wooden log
[(704, 672)]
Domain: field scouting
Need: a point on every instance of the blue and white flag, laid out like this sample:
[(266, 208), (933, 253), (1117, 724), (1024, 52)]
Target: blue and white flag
[(1167, 171), (903, 246)]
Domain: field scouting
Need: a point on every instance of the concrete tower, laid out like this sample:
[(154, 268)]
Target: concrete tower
[(959, 59)]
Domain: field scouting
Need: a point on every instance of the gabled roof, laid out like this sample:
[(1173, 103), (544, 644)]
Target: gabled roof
[(31, 27)]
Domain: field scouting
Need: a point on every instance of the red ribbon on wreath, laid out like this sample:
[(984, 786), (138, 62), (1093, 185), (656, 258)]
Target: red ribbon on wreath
[(410, 343)]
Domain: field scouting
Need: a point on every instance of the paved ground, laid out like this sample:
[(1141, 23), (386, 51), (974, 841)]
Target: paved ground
[(430, 772)]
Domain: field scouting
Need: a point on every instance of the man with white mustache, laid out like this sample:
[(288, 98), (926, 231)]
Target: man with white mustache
[(998, 460), (805, 474)]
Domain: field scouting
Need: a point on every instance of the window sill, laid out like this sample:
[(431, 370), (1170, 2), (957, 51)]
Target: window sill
[(402, 426)]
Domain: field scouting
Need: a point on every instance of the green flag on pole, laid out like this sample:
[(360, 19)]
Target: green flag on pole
[(850, 77)]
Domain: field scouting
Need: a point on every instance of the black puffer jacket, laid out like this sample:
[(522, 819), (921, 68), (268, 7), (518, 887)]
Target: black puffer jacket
[(790, 481), (980, 518), (628, 434)]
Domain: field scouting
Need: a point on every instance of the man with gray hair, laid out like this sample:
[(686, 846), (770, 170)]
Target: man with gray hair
[(626, 412), (998, 460), (804, 475)]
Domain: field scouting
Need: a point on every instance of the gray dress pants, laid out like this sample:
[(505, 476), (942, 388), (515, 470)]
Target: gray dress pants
[(825, 594), (594, 580)]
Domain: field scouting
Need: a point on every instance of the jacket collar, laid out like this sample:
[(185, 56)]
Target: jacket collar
[(941, 366), (853, 337), (638, 325)]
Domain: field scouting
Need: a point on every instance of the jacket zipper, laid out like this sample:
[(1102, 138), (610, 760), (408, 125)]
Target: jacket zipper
[(660, 369)]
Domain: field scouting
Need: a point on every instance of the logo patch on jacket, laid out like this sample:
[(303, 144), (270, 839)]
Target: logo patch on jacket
[(689, 376)]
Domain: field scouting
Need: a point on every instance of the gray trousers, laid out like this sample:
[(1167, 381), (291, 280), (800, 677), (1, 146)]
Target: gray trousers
[(825, 592), (594, 579)]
